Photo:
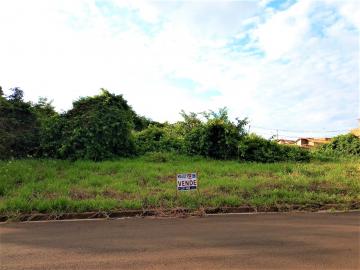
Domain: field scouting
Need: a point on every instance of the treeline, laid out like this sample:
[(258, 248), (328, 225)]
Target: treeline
[(96, 128), (105, 127)]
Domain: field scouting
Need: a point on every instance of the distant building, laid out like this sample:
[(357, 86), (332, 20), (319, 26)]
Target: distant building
[(311, 142), (283, 141), (356, 131)]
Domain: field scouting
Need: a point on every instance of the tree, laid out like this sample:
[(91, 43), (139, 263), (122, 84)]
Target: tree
[(142, 122), (97, 128), (19, 127), (17, 94), (44, 109), (50, 128), (218, 137)]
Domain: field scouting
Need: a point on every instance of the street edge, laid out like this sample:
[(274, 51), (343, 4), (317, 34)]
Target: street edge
[(181, 212)]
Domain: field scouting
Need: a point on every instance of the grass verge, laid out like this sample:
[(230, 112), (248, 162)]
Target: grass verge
[(149, 182)]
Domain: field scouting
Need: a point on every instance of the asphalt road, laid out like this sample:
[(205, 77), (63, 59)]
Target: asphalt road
[(263, 241)]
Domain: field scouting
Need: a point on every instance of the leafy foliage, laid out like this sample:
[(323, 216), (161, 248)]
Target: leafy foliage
[(51, 138), (255, 148), (19, 126), (217, 138), (342, 145), (17, 95), (141, 122), (105, 126), (155, 139), (97, 128)]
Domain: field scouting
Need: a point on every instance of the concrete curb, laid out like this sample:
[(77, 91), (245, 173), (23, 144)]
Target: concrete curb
[(180, 212)]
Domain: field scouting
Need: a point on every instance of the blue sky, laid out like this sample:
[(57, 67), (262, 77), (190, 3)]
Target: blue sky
[(286, 65)]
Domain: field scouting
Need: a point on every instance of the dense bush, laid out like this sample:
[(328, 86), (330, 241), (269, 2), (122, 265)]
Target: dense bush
[(97, 128), (51, 136), (218, 137), (49, 126), (342, 145), (19, 126), (105, 126), (222, 138), (155, 139), (256, 148), (141, 122), (295, 153)]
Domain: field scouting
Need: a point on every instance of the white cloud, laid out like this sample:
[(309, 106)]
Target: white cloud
[(284, 30), (67, 49)]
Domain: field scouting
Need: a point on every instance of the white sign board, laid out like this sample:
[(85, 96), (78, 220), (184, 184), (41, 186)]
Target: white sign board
[(186, 181)]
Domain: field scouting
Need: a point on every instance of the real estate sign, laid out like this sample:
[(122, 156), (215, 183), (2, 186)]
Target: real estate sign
[(187, 181)]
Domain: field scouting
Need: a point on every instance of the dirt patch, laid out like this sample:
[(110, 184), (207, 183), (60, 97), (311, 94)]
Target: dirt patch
[(234, 174), (167, 178), (110, 172), (268, 186), (224, 189), (208, 193), (352, 172), (44, 195), (165, 212), (109, 193), (315, 186), (113, 194), (246, 194), (81, 194), (266, 175), (51, 195), (311, 173), (329, 187), (142, 181)]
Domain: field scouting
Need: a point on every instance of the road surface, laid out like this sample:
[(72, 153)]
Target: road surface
[(262, 241)]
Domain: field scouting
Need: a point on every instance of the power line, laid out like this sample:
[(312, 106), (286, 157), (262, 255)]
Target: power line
[(302, 131), (279, 135)]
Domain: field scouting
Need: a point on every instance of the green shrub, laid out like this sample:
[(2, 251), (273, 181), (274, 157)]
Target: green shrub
[(222, 138), (217, 138), (157, 139), (295, 153), (105, 126), (51, 136), (195, 142), (19, 127), (97, 128), (255, 148), (342, 145)]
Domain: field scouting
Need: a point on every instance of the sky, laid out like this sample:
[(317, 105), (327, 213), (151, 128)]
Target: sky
[(291, 67)]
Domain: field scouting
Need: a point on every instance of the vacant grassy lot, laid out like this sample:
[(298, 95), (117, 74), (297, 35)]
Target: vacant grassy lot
[(56, 186)]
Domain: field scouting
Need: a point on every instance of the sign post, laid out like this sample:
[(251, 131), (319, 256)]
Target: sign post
[(186, 181)]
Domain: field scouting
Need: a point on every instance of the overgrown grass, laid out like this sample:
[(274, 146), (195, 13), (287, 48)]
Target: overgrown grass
[(57, 186)]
